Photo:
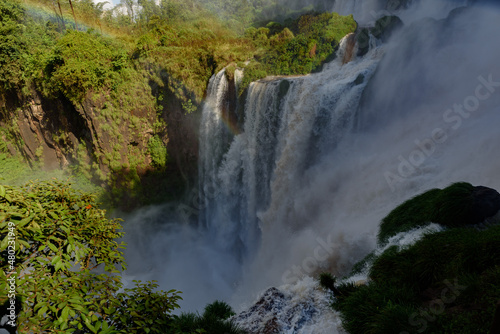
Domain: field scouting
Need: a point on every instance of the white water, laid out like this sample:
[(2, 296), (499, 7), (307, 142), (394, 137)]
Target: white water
[(306, 184), (402, 240), (303, 307)]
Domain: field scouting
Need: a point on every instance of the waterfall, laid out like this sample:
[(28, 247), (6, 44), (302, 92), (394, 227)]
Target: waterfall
[(248, 180), (298, 182), (305, 184)]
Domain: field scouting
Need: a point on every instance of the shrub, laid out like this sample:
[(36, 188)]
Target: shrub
[(82, 62), (11, 44), (404, 282), (213, 321), (158, 152), (253, 71), (219, 309), (327, 281)]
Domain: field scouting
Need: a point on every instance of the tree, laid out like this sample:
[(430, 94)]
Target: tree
[(129, 5), (73, 11), (59, 256)]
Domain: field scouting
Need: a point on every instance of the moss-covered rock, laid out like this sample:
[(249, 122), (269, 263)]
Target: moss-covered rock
[(385, 27), (383, 30), (460, 204)]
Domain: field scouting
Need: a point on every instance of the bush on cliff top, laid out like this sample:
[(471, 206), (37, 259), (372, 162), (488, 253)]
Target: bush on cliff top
[(448, 282), (303, 44)]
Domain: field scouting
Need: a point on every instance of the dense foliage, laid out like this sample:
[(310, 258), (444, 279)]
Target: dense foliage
[(60, 263), (447, 282), (297, 46), (63, 261), (84, 62), (303, 45)]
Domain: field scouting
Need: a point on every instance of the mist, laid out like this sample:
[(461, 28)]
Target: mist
[(428, 117)]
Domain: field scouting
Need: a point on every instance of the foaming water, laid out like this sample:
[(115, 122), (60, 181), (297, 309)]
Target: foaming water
[(402, 241)]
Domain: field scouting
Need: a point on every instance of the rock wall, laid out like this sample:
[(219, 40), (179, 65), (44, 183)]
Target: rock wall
[(108, 140)]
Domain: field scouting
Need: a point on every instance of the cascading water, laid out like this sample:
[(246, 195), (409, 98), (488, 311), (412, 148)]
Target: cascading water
[(320, 159), (290, 123)]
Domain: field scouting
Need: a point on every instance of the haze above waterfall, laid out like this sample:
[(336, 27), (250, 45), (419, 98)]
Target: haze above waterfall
[(321, 161)]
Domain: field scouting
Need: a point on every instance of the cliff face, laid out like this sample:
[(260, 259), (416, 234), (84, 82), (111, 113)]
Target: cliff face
[(106, 139)]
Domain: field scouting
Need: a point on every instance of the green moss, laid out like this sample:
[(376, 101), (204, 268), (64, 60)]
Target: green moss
[(12, 169), (449, 207)]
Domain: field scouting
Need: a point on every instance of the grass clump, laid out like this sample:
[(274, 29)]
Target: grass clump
[(158, 152), (214, 320), (327, 281)]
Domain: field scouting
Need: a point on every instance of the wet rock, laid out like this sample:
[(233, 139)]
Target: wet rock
[(298, 308), (486, 203)]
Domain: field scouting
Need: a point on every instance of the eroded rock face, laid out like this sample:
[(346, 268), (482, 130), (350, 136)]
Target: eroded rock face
[(105, 137)]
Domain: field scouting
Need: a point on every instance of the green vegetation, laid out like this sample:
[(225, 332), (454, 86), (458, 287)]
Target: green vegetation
[(298, 46), (56, 239), (59, 251), (83, 62), (447, 282), (449, 207), (158, 152), (212, 321)]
